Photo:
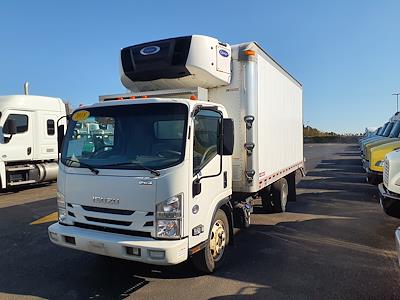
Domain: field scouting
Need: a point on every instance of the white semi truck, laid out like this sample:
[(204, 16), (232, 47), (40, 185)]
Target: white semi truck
[(28, 139), (178, 161), (389, 190)]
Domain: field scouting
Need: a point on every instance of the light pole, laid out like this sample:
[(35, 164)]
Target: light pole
[(397, 100)]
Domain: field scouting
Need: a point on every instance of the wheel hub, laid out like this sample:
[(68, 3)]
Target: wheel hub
[(217, 240)]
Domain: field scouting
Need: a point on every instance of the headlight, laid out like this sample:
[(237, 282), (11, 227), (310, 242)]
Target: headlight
[(62, 210), (380, 163), (169, 229), (168, 217), (170, 208)]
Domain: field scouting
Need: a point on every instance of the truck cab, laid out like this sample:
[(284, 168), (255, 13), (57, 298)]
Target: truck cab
[(384, 132), (28, 139)]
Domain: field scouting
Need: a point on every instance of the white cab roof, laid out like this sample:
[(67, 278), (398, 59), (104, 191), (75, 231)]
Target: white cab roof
[(31, 103)]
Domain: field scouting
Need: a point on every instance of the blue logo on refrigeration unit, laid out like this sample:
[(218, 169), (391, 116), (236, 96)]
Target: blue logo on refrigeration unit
[(223, 53), (150, 50)]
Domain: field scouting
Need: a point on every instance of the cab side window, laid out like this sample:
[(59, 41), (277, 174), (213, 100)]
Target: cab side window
[(205, 142), (21, 121)]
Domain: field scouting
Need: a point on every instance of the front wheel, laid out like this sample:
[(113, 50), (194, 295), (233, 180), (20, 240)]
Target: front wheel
[(212, 256)]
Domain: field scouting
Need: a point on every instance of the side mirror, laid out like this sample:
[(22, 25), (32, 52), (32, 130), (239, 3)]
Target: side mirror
[(60, 136), (228, 137), (10, 127), (196, 188)]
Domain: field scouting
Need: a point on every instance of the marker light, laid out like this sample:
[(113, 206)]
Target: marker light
[(120, 98), (132, 97), (249, 52), (145, 97), (193, 97)]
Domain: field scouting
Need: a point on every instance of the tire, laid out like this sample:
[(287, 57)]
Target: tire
[(373, 179), (291, 180), (280, 191), (212, 256), (391, 207), (266, 198)]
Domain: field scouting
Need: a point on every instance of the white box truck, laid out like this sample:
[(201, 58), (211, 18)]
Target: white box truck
[(178, 161), (28, 139)]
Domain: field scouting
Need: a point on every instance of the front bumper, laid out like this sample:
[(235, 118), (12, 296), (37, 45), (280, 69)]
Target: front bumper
[(169, 252), (390, 202)]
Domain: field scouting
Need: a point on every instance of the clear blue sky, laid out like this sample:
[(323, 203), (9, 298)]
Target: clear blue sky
[(346, 53)]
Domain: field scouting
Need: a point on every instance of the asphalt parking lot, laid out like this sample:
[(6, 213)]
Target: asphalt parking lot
[(333, 243)]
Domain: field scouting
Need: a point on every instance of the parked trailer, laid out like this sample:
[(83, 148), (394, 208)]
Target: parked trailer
[(28, 139), (206, 128)]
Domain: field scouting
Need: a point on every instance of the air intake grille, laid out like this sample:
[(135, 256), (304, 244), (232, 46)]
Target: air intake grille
[(113, 230), (106, 221), (386, 173), (108, 210)]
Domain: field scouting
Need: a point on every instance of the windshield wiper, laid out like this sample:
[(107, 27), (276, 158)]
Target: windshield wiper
[(152, 171), (70, 161)]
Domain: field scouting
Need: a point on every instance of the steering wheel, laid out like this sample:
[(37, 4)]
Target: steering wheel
[(100, 151), (167, 153), (207, 153)]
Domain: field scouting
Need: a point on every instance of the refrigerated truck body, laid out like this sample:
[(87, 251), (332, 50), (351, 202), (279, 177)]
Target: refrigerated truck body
[(206, 128), (28, 139)]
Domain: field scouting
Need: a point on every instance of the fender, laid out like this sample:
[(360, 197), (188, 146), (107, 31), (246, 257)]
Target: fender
[(226, 206)]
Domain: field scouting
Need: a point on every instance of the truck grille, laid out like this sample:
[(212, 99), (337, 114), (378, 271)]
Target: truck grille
[(108, 210), (113, 230), (386, 173), (112, 220)]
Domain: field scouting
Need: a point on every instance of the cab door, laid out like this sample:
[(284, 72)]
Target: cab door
[(206, 170), (19, 146)]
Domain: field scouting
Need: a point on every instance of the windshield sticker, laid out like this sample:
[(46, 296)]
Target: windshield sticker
[(81, 115)]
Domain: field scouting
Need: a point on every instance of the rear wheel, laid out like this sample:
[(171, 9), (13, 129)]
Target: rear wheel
[(266, 198), (280, 191), (212, 256)]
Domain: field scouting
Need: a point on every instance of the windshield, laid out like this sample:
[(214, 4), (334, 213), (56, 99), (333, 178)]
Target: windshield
[(383, 129), (395, 130), (388, 129), (139, 136)]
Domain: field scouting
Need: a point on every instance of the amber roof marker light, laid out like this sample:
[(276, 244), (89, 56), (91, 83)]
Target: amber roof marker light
[(249, 52)]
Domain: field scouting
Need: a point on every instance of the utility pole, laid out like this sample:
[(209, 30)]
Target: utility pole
[(397, 100)]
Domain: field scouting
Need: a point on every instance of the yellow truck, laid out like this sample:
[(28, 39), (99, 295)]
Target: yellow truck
[(375, 158), (392, 131)]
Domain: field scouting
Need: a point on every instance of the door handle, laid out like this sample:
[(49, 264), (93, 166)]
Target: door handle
[(29, 150)]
